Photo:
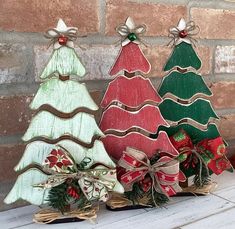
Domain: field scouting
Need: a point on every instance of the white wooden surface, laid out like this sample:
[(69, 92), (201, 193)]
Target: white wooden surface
[(214, 211)]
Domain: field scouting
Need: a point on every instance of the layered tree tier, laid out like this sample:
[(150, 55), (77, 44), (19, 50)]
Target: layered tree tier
[(23, 188), (115, 145), (199, 111), (130, 59), (183, 86), (131, 92), (36, 153), (82, 126), (64, 96), (183, 56), (58, 64), (147, 118)]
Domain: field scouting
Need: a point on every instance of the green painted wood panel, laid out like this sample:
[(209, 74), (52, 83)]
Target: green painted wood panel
[(82, 126), (23, 188), (183, 85), (63, 61), (36, 153), (65, 96), (183, 56), (200, 111)]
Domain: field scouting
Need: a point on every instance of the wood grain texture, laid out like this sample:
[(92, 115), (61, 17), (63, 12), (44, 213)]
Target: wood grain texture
[(199, 111), (183, 86), (82, 126), (130, 59), (58, 64), (131, 92), (23, 188), (147, 118), (183, 56), (115, 145), (64, 96), (36, 153)]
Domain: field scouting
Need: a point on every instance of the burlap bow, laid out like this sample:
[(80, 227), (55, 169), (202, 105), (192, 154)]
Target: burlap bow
[(183, 32), (54, 35), (95, 183), (164, 173), (130, 32)]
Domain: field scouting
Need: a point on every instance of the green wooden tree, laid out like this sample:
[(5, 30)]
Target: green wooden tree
[(185, 92)]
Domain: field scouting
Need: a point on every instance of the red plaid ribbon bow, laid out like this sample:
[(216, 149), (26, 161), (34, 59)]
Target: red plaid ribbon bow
[(164, 173), (211, 151)]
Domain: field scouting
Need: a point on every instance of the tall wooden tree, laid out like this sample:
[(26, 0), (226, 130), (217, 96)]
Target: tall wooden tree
[(186, 106), (130, 104), (64, 161)]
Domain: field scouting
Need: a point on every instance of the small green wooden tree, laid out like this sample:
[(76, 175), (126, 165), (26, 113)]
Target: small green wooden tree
[(184, 91)]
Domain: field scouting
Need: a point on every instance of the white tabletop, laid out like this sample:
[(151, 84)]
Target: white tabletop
[(214, 211)]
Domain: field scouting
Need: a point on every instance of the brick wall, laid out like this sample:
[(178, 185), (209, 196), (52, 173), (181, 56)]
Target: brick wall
[(23, 53)]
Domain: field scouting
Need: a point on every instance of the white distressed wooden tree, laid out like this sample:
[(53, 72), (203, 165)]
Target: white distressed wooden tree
[(64, 117)]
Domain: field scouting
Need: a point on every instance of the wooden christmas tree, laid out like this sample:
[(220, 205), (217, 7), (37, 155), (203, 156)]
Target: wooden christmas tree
[(64, 164), (187, 108), (130, 116)]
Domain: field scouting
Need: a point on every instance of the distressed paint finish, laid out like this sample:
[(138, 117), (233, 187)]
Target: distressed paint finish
[(115, 145), (183, 56), (200, 111), (36, 152), (183, 85), (64, 96), (147, 118), (23, 188), (82, 126), (63, 61), (130, 59), (131, 92)]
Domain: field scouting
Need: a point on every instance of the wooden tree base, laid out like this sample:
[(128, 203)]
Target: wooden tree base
[(66, 220), (193, 190), (50, 216), (119, 202)]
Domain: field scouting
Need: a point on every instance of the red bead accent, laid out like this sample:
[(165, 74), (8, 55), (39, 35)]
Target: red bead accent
[(183, 34), (62, 40), (96, 189)]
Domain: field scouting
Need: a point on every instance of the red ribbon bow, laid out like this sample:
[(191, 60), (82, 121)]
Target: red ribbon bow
[(164, 173), (212, 152)]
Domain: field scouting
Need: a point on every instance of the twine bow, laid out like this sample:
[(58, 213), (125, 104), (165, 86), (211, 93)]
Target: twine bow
[(95, 183), (62, 38), (183, 32), (130, 32), (164, 173)]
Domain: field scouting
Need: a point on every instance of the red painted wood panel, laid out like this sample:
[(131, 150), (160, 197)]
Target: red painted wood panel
[(147, 118), (130, 59), (115, 145), (131, 92)]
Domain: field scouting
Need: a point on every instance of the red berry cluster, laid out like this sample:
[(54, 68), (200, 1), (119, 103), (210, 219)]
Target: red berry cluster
[(146, 183), (73, 192)]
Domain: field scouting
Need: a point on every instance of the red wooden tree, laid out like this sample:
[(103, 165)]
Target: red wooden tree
[(130, 104), (130, 107)]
